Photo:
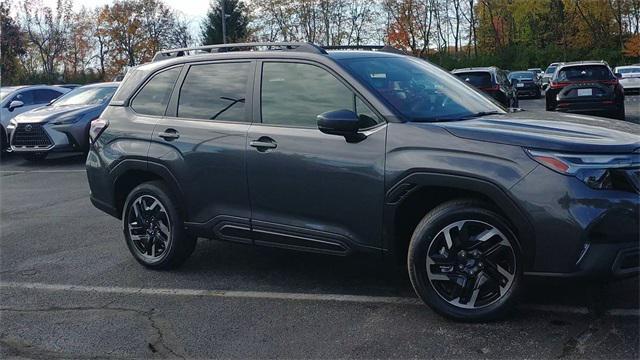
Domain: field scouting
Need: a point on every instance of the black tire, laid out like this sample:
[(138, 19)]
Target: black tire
[(34, 157), (430, 289), (179, 245), (620, 114)]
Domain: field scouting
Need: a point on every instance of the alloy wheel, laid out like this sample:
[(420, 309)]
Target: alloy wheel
[(149, 227), (471, 264)]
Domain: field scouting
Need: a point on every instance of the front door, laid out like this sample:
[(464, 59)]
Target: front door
[(202, 140), (310, 190)]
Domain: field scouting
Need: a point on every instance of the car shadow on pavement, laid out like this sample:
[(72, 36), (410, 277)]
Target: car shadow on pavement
[(268, 269)]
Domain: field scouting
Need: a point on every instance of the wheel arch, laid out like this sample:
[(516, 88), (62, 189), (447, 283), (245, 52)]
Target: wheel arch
[(131, 173), (410, 199)]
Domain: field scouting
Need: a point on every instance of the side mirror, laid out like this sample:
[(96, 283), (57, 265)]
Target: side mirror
[(341, 122), (15, 104), (618, 75)]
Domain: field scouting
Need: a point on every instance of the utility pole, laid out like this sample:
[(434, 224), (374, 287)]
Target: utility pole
[(224, 23)]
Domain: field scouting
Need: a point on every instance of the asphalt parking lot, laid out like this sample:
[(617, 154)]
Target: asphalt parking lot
[(69, 288)]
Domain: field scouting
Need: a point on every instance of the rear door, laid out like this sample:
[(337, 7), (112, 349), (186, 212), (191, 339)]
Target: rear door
[(202, 141), (310, 190)]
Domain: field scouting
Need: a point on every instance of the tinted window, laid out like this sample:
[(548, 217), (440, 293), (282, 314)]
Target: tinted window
[(154, 96), (550, 70), (629, 70), (522, 75), (44, 96), (215, 92), (295, 94), (479, 79), (584, 72)]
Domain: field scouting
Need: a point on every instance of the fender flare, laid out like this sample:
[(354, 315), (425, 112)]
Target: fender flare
[(415, 181), (153, 168)]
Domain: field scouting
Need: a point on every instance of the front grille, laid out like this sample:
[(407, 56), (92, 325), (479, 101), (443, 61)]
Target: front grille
[(30, 135)]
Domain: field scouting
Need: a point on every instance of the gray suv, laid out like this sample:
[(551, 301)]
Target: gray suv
[(338, 152)]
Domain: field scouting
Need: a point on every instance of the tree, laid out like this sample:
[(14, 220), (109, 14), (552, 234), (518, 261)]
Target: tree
[(47, 31), (632, 47), (237, 22), (12, 46)]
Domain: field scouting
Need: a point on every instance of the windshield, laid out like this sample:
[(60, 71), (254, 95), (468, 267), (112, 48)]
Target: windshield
[(550, 70), (86, 96), (418, 90), (522, 75), (633, 70), (584, 72)]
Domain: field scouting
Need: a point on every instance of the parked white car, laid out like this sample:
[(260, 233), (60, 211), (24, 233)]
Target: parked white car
[(630, 79), (15, 100)]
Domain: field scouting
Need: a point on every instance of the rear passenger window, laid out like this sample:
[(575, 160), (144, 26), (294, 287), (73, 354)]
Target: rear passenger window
[(215, 92), (154, 96)]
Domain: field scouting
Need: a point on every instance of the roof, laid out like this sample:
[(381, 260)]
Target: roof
[(586, 62), (487, 68)]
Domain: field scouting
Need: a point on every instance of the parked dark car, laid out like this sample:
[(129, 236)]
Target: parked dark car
[(587, 87), (526, 84), (342, 152), (493, 82), (61, 126)]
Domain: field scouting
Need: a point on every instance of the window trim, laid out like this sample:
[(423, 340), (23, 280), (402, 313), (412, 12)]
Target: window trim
[(257, 105), (144, 83), (172, 108)]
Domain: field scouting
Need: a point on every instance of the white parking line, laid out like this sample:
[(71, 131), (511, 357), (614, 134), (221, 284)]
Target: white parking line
[(40, 171), (281, 296)]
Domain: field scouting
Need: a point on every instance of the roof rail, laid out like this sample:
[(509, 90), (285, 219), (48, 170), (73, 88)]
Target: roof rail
[(282, 46), (381, 48)]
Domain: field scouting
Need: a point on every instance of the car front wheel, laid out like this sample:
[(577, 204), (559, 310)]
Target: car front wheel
[(154, 227), (464, 263)]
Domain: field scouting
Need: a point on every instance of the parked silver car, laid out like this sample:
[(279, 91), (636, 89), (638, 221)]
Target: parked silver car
[(15, 100), (630, 78)]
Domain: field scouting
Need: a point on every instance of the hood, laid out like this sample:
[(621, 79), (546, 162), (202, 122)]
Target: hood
[(47, 114), (551, 131)]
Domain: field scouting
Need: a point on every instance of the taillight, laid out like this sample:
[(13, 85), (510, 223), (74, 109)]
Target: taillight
[(97, 127), (557, 85)]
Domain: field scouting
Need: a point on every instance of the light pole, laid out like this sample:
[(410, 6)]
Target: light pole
[(224, 23)]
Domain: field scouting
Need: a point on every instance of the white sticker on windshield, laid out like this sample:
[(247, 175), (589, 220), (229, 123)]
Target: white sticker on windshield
[(378, 76)]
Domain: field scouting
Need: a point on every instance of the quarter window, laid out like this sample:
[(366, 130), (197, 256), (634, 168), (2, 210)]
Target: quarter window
[(295, 94), (154, 96), (215, 92)]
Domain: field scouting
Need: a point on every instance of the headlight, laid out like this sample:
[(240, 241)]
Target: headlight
[(13, 123), (66, 120), (613, 172)]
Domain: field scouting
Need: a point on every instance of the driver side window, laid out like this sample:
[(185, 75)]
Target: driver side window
[(294, 94)]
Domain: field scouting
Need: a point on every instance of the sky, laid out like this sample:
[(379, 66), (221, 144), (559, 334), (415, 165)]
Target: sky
[(194, 10)]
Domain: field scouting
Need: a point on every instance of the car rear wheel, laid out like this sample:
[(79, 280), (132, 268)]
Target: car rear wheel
[(464, 262), (154, 227)]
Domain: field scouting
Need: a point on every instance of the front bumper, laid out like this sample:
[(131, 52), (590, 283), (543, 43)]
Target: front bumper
[(579, 231), (54, 138)]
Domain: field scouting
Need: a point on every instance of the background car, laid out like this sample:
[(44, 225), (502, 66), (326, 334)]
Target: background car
[(62, 126), (492, 81), (526, 83), (539, 72), (548, 74), (586, 87), (15, 100), (629, 78)]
